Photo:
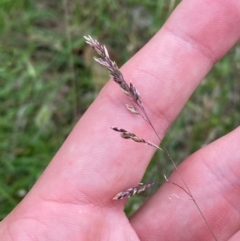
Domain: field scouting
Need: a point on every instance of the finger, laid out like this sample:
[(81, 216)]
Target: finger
[(94, 163), (212, 175)]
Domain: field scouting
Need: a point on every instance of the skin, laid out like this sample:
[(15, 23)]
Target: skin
[(72, 200)]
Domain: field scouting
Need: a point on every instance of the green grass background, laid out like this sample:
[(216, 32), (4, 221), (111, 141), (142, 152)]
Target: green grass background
[(48, 80)]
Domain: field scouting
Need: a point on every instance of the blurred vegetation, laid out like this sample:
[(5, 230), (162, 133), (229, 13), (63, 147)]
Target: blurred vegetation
[(48, 80)]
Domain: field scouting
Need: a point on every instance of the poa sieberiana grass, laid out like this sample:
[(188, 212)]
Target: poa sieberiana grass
[(137, 108)]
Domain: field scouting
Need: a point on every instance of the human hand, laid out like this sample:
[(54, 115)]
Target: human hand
[(72, 200)]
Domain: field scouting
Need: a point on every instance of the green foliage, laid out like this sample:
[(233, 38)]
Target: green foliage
[(47, 83)]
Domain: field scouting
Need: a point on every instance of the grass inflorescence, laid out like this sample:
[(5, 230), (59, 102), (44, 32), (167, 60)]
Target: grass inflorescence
[(139, 109)]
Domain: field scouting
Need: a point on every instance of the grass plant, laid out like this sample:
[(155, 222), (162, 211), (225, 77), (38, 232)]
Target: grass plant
[(138, 109)]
